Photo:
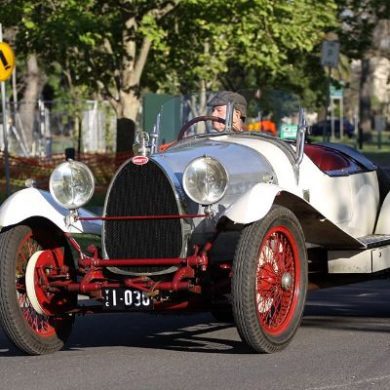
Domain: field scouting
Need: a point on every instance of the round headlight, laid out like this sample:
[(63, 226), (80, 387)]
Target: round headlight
[(72, 184), (205, 180)]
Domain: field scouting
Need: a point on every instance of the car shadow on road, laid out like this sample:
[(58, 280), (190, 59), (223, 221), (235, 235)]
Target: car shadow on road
[(6, 348), (363, 308), (192, 333), (354, 307), (188, 332), (358, 307)]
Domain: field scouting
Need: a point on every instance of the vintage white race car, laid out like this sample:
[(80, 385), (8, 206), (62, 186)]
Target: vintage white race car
[(231, 223)]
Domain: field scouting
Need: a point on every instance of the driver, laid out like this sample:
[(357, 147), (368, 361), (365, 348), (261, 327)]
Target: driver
[(219, 105)]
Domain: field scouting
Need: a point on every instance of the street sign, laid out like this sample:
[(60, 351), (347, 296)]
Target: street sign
[(336, 92), (330, 53), (288, 131), (380, 123), (7, 61)]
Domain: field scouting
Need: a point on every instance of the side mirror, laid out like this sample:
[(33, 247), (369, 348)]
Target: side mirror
[(301, 132), (155, 135), (229, 117)]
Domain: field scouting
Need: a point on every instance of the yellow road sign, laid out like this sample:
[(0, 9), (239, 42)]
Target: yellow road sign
[(7, 61)]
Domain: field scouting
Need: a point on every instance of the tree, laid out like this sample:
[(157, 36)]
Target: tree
[(102, 44), (117, 47), (31, 75), (359, 19), (233, 43)]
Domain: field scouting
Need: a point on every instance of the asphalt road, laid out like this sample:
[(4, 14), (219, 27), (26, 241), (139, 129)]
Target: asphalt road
[(343, 343)]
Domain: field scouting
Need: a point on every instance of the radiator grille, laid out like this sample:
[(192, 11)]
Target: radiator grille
[(142, 190)]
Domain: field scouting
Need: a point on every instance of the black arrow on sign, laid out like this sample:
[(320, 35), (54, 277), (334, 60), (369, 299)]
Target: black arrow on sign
[(4, 61)]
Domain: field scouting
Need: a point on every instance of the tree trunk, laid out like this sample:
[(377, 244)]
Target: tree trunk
[(28, 104), (364, 102), (127, 118), (128, 105), (133, 63)]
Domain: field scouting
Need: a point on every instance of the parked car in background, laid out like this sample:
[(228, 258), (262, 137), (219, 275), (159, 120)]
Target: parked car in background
[(325, 126)]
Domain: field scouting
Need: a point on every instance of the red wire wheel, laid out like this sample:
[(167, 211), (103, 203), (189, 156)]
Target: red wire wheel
[(44, 302), (277, 280), (39, 323), (34, 332), (269, 281)]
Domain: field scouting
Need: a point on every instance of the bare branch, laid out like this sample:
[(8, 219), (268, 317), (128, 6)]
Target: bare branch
[(138, 64), (161, 12)]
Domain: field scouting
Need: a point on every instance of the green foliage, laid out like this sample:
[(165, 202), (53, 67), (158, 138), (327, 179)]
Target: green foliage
[(359, 18), (193, 42), (241, 42)]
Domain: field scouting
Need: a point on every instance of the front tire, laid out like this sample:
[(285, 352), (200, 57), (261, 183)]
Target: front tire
[(269, 281), (31, 332)]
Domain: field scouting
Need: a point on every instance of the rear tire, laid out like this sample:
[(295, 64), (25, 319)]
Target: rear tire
[(269, 281), (32, 333)]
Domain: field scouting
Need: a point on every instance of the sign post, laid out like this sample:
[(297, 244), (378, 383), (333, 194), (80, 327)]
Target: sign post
[(7, 64), (330, 59), (330, 53), (380, 126), (336, 95)]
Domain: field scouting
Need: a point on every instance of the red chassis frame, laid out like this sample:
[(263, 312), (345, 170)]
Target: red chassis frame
[(188, 276)]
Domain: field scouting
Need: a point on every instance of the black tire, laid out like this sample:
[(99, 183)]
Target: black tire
[(269, 291), (32, 333)]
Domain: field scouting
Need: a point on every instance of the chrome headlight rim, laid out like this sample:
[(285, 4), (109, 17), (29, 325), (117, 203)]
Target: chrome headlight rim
[(57, 184), (218, 165)]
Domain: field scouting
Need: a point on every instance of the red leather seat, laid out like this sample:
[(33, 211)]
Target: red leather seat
[(325, 158)]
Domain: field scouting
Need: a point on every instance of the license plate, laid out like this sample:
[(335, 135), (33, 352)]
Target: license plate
[(126, 299)]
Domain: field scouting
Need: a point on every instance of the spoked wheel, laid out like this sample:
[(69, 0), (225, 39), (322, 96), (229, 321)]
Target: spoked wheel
[(32, 317), (269, 281)]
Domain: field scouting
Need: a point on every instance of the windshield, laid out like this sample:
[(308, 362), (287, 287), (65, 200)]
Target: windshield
[(271, 112)]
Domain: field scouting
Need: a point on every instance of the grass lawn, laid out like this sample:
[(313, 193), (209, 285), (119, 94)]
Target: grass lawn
[(379, 156), (378, 153)]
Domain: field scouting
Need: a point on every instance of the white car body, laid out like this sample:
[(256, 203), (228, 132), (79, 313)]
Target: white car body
[(32, 202), (235, 223)]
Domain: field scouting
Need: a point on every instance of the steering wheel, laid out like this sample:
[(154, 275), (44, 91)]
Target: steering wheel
[(204, 118)]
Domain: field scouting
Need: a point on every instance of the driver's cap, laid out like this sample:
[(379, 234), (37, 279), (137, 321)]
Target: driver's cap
[(224, 97)]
